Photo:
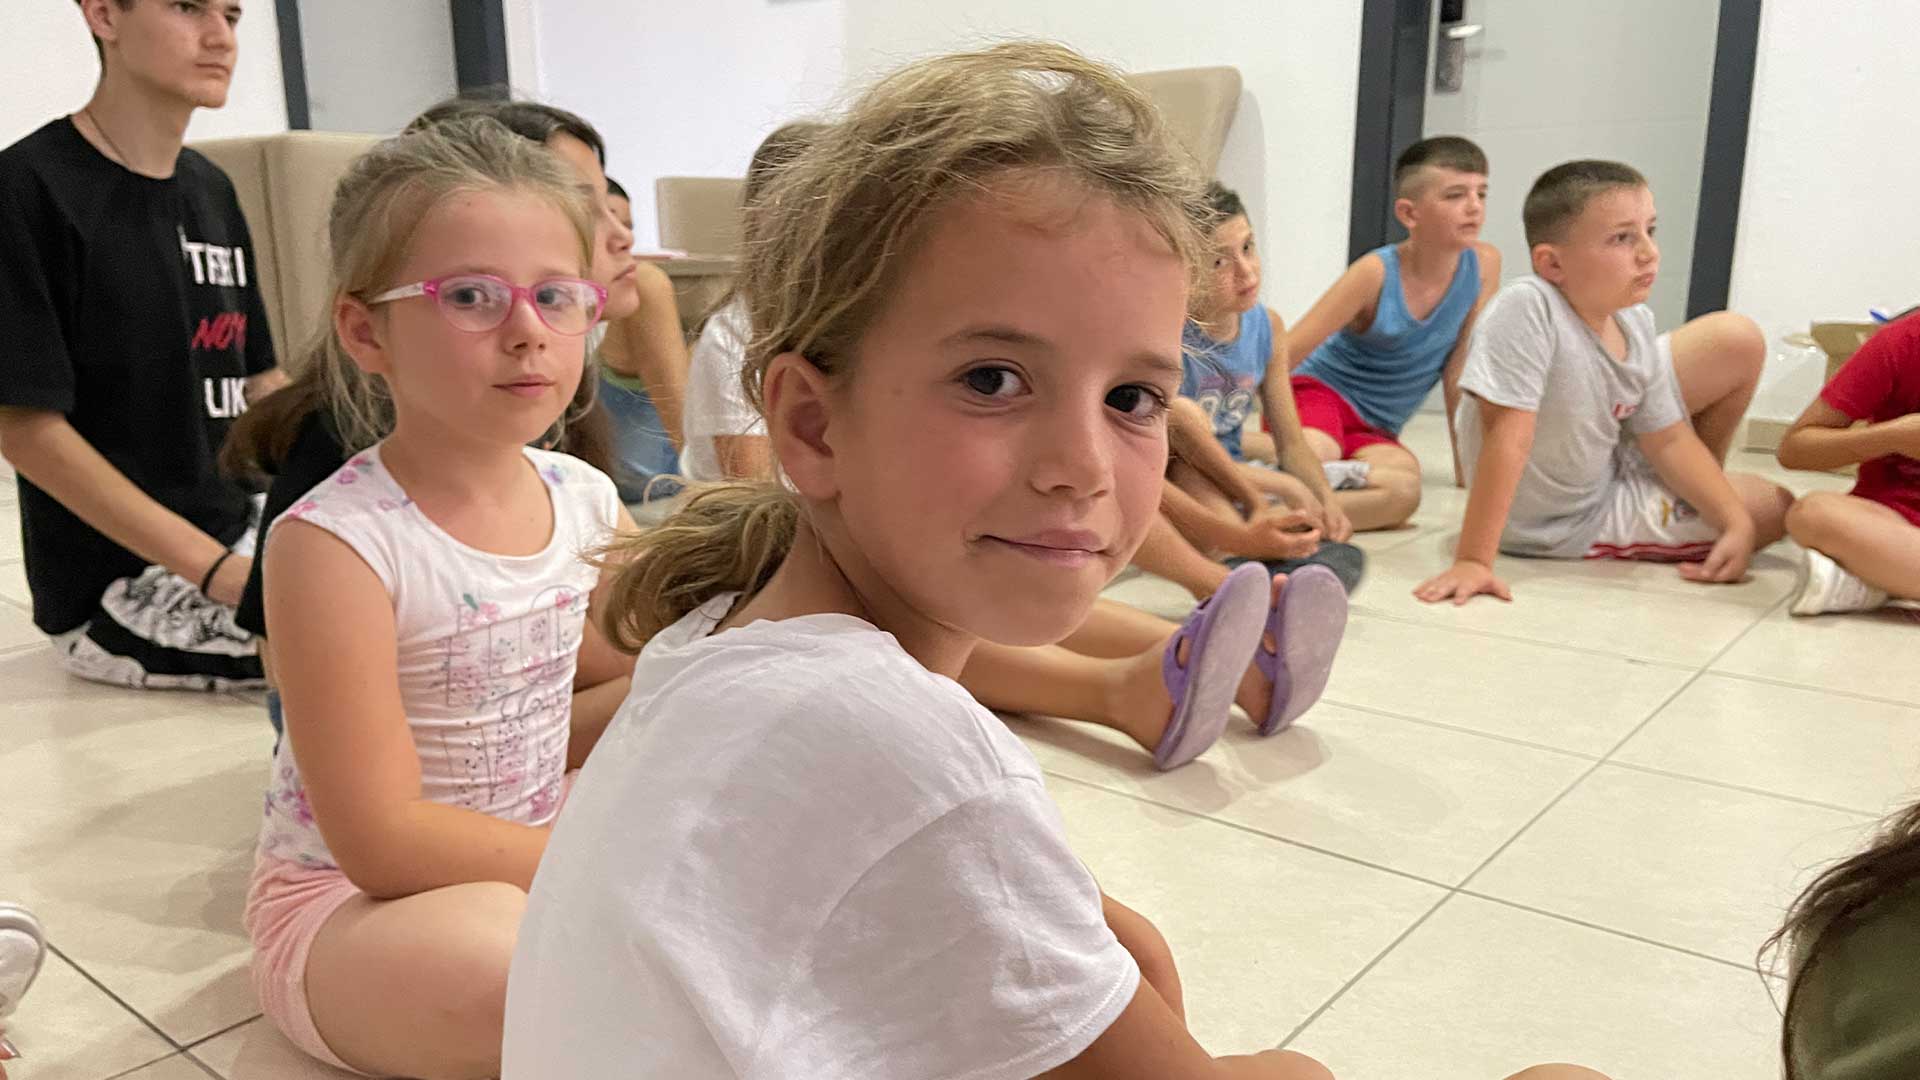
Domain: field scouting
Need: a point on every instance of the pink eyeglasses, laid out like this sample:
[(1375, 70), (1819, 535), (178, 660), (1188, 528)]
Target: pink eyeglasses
[(480, 302)]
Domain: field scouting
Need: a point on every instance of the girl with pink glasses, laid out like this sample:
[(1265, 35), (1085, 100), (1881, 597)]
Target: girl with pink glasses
[(428, 605)]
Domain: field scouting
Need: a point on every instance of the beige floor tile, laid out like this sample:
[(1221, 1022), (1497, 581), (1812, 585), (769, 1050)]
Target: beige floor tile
[(1566, 603), (257, 1051), (178, 1067), (1868, 654), (9, 528), (1570, 700), (17, 630), (67, 1029), (1807, 744), (1262, 931), (1411, 797), (1675, 861), (131, 819), (1481, 990), (13, 583)]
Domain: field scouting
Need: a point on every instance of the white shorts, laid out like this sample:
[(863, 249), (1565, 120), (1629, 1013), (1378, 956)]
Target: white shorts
[(1644, 519)]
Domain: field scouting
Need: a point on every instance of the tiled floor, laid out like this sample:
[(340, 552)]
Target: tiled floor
[(1552, 830)]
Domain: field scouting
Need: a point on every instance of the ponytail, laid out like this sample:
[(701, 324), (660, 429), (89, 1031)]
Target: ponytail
[(727, 538)]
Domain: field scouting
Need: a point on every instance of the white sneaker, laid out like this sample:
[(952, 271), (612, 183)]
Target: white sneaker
[(1828, 588), (1346, 475), (23, 947)]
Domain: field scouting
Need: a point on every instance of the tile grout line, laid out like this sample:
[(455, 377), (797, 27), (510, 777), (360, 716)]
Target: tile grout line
[(1443, 725), (146, 1065), (1502, 636), (1248, 829), (1498, 635), (1335, 997), (1581, 779), (1786, 684), (1610, 930), (1729, 786), (117, 1000), (1607, 758), (228, 1030)]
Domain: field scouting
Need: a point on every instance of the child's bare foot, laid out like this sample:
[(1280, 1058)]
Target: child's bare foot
[(1137, 698), (1140, 706)]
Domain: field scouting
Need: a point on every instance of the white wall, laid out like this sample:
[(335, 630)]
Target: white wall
[(50, 69), (375, 83), (682, 89), (1829, 223), (1290, 153)]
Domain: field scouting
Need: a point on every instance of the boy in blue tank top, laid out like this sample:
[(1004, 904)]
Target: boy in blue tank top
[(1369, 351)]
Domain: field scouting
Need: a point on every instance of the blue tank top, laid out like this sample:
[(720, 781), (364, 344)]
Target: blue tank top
[(1386, 372), (1224, 376)]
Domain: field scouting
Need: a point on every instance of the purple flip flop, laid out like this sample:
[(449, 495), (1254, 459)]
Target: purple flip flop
[(1307, 623), (1223, 633)]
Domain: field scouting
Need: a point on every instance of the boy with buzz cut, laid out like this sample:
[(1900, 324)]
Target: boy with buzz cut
[(1583, 433), (1369, 351), (132, 332)]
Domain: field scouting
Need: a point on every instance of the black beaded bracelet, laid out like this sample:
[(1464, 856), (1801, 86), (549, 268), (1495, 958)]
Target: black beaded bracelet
[(212, 570)]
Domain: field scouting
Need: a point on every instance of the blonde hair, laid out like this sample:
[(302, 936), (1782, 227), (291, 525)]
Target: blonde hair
[(378, 207), (828, 238)]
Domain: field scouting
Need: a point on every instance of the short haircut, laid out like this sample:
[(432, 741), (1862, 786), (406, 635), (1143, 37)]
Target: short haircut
[(782, 145), (1440, 151), (527, 119), (99, 49), (614, 190), (1223, 204), (1563, 192)]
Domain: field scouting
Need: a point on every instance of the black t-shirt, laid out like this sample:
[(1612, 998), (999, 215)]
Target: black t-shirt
[(314, 455), (132, 306)]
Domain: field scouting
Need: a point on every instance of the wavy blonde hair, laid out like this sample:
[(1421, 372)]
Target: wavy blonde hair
[(828, 237)]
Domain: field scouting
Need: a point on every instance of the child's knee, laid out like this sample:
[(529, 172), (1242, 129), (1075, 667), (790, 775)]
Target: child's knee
[(1738, 341), (1558, 1072), (1812, 518)]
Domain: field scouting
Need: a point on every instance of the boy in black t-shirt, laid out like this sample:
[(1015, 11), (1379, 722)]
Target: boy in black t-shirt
[(131, 333)]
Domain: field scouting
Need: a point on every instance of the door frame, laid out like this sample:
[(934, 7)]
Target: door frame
[(1391, 112), (479, 54)]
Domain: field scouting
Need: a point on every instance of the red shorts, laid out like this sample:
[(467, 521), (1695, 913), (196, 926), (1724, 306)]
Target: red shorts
[(1904, 502), (1323, 409)]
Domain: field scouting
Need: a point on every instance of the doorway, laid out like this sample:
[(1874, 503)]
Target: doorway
[(1663, 85)]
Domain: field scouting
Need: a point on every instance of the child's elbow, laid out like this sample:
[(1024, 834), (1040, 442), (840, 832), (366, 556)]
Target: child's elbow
[(1792, 453)]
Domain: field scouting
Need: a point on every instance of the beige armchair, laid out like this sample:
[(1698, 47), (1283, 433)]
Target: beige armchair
[(285, 184)]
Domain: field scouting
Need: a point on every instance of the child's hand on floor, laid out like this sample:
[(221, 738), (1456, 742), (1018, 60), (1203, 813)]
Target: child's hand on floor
[(1461, 582), (1727, 562)]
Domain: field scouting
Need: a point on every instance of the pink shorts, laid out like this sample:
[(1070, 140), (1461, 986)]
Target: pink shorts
[(287, 904)]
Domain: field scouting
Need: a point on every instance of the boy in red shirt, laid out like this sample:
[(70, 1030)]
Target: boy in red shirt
[(1863, 548)]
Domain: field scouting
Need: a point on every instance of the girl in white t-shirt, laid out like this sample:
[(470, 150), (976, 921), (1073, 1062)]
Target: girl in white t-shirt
[(1111, 669), (428, 607), (802, 849)]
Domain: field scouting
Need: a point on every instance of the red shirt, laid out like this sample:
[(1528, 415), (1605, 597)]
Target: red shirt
[(1881, 382)]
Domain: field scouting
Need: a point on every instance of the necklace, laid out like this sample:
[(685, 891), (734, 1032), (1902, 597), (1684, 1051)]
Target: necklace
[(111, 145)]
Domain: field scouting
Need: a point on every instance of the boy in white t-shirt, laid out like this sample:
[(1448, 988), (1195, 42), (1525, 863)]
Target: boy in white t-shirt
[(1583, 433)]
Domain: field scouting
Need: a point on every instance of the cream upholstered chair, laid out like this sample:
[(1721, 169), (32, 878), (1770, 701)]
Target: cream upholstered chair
[(699, 215), (1198, 104), (285, 184)]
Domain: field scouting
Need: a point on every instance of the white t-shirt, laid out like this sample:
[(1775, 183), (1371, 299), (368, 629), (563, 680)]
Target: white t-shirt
[(488, 644), (1531, 351), (716, 402), (796, 853)]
